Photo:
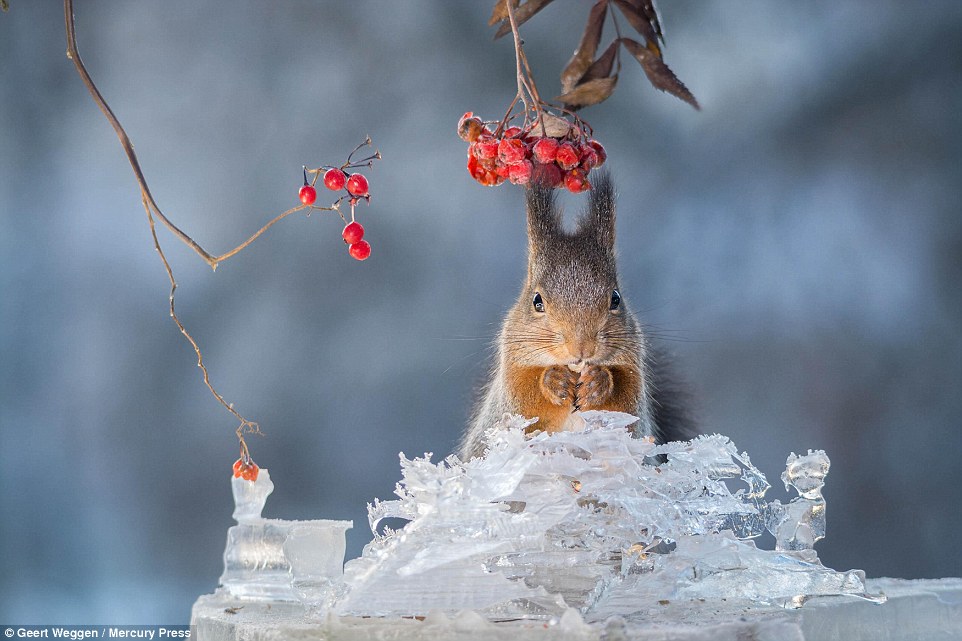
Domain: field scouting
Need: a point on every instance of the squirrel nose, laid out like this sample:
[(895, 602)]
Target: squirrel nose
[(583, 347)]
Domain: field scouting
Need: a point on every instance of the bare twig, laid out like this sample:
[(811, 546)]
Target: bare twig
[(517, 54), (74, 54), (526, 84), (245, 425), (152, 209)]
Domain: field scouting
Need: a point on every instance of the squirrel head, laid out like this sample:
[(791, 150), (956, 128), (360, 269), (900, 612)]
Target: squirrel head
[(570, 311)]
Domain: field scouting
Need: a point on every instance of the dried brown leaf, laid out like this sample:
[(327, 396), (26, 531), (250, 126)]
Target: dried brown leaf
[(641, 23), (554, 127), (601, 68), (589, 93), (585, 53), (660, 76), (521, 15), (647, 9)]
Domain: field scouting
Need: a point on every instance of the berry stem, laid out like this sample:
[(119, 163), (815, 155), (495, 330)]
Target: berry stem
[(350, 157), (517, 57), (507, 114)]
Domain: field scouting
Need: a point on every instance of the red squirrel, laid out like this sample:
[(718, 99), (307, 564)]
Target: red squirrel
[(570, 342)]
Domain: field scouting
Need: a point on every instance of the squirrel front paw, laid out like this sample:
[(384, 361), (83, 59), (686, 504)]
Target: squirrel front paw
[(558, 384), (595, 386)]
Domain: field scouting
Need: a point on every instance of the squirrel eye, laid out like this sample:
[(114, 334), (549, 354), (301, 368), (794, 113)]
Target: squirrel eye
[(538, 303), (615, 300)]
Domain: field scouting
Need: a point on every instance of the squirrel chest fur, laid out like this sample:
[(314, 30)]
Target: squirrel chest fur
[(570, 343)]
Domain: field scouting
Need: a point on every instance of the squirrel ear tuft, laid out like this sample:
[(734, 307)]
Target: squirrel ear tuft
[(544, 217), (599, 220)]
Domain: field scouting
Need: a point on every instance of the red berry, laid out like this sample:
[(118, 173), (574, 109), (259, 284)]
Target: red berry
[(511, 132), (511, 151), (360, 250), (357, 185), (334, 179), (307, 194), (353, 233), (502, 169), (547, 175), (520, 173), (576, 182), (589, 157), (250, 472), (602, 154), (486, 149), (474, 169), (246, 470), (492, 179), (470, 128), (567, 156), (546, 150)]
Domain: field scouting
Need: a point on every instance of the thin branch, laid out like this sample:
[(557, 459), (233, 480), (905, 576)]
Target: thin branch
[(74, 54), (151, 208), (245, 425), (525, 77), (260, 231), (504, 120), (517, 55)]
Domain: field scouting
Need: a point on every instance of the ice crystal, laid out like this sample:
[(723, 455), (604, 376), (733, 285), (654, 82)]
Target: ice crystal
[(592, 519)]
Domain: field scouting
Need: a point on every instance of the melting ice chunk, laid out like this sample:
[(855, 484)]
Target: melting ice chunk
[(275, 559)]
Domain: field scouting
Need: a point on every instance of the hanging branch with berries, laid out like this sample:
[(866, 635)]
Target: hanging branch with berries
[(550, 145), (341, 178)]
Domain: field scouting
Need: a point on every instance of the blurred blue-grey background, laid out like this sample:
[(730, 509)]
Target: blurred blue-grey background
[(796, 244)]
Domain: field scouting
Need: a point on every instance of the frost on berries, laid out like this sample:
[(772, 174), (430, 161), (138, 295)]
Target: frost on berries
[(546, 150), (523, 156), (576, 182), (567, 157)]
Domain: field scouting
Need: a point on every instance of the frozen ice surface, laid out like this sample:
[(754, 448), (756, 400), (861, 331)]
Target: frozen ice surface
[(591, 520), (278, 560), (929, 610), (588, 535)]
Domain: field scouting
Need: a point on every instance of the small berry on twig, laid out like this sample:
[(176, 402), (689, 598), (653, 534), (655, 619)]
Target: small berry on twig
[(360, 250), (357, 185), (352, 233)]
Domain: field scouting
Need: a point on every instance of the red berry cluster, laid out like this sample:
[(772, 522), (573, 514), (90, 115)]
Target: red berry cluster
[(245, 468), (357, 187), (336, 179), (523, 158)]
